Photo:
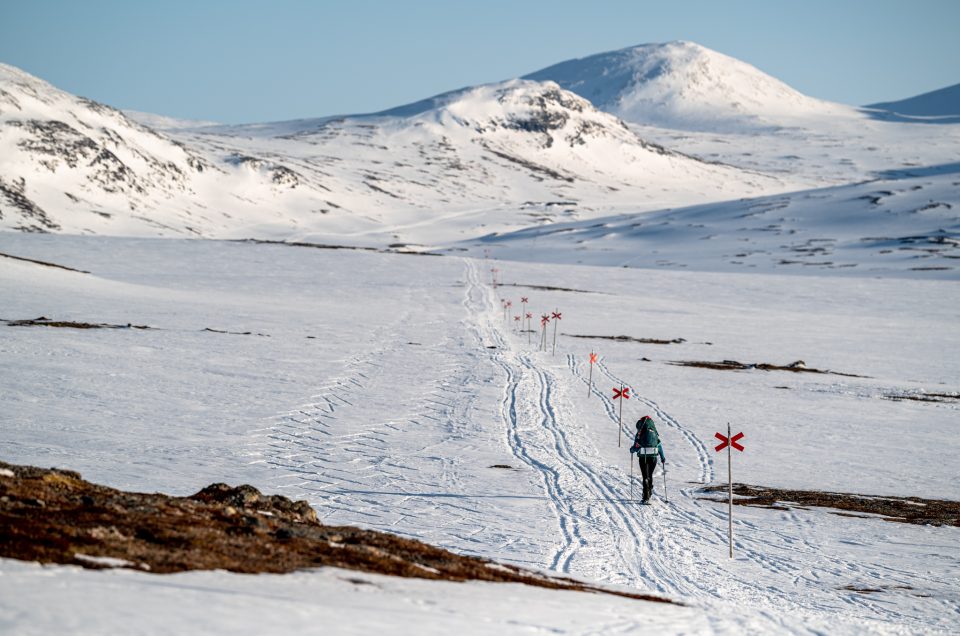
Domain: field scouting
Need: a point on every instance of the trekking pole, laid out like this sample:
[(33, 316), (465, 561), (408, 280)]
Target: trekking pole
[(631, 479), (665, 497)]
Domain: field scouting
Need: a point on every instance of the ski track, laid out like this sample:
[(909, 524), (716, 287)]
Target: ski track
[(699, 522), (601, 533)]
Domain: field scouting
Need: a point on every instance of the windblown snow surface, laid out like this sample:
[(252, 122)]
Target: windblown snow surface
[(394, 392)]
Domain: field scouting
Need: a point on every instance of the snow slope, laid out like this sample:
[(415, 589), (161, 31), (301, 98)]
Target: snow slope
[(386, 389), (686, 86), (938, 104), (700, 102), (68, 164), (906, 225), (476, 158), (456, 162)]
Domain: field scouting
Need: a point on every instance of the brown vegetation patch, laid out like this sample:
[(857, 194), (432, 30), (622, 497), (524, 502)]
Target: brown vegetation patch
[(54, 516), (629, 339), (44, 263), (935, 512), (924, 397), (732, 365), (549, 288), (238, 333), (396, 248), (43, 321)]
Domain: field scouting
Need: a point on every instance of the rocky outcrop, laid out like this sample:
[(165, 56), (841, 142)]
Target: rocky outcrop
[(55, 516)]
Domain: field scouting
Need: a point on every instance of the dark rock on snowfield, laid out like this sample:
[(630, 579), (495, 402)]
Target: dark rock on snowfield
[(55, 516)]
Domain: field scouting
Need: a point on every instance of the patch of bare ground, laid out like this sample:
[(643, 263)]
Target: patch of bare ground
[(924, 397), (934, 512), (44, 263), (549, 288), (628, 339), (55, 516), (43, 321), (395, 248), (732, 365), (883, 588)]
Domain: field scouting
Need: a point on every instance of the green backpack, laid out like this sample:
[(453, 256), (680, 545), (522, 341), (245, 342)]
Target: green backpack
[(648, 437)]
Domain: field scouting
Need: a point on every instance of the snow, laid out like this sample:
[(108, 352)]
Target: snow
[(384, 388), (108, 562), (328, 601), (905, 225), (938, 104), (392, 414), (683, 85)]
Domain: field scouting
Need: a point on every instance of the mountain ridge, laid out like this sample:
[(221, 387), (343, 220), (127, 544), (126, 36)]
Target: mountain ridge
[(74, 165)]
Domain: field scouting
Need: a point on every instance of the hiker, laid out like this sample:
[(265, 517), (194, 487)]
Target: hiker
[(647, 446)]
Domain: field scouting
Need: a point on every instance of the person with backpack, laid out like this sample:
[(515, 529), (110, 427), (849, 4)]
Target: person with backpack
[(647, 446)]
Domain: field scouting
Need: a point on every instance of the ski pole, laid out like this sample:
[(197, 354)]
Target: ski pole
[(631, 479), (665, 497)]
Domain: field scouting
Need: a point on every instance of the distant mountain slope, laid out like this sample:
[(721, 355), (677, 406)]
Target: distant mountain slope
[(73, 165), (683, 85), (944, 102), (527, 151), (905, 225)]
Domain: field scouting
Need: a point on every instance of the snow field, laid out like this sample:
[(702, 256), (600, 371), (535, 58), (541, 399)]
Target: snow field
[(393, 414)]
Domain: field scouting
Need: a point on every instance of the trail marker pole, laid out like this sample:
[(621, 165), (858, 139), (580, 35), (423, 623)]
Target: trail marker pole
[(516, 319), (544, 319), (529, 328), (523, 309), (556, 318), (593, 359), (621, 394), (728, 442)]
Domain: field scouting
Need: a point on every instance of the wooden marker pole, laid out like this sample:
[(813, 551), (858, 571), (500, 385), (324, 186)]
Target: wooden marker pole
[(620, 422), (728, 442), (620, 394), (730, 491), (590, 379), (556, 319)]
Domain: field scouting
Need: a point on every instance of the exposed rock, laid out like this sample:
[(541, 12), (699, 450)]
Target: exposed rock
[(54, 516)]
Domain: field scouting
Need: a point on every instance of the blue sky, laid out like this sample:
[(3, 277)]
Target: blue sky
[(242, 61)]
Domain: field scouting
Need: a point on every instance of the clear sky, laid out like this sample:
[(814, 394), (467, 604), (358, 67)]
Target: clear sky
[(238, 61)]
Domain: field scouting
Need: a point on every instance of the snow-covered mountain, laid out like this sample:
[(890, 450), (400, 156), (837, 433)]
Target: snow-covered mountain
[(73, 165), (643, 129), (941, 106), (520, 150), (684, 85)]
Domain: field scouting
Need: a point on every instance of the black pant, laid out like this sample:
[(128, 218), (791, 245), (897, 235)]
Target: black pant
[(647, 465)]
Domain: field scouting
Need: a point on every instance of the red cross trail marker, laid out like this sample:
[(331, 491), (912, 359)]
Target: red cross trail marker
[(623, 393), (728, 442), (732, 441)]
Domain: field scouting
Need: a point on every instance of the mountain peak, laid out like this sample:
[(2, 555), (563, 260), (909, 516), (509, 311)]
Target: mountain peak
[(680, 84)]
